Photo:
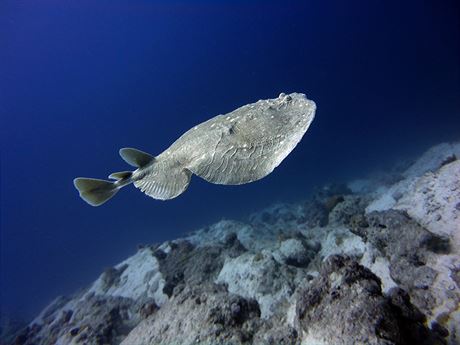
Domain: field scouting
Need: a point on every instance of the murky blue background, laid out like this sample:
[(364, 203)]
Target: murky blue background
[(80, 79)]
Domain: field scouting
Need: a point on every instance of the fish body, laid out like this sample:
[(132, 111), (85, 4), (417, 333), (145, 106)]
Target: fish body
[(242, 146)]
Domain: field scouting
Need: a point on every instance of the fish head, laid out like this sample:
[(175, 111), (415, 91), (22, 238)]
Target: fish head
[(295, 110), (287, 116)]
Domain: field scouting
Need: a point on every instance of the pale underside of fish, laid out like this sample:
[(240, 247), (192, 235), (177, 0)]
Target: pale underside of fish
[(242, 146)]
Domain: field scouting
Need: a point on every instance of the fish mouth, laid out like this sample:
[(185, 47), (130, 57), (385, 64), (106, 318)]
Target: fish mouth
[(293, 97), (302, 108), (297, 100)]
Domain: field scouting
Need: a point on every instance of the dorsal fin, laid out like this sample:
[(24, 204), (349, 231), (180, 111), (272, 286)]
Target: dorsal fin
[(136, 158)]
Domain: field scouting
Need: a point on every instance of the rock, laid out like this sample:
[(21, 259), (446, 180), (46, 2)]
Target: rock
[(386, 198), (374, 263), (295, 253), (322, 203), (259, 277), (343, 212), (136, 278), (210, 315), (379, 265), (406, 246), (378, 180), (429, 194), (107, 311), (90, 320), (186, 265), (332, 202), (316, 214), (204, 315), (346, 291), (434, 159), (434, 202), (419, 261), (340, 240)]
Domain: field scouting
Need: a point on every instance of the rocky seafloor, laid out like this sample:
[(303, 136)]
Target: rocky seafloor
[(375, 261)]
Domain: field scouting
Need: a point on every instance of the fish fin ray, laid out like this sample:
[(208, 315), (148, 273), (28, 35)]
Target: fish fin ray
[(165, 180)]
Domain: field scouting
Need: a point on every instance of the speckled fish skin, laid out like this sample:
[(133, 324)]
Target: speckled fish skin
[(242, 146)]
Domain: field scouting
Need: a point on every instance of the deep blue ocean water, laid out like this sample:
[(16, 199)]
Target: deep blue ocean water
[(81, 79)]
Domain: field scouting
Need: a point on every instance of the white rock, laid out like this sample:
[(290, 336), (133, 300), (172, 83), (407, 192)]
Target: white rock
[(341, 240), (434, 201), (255, 240), (165, 247), (259, 277), (432, 159), (383, 203), (445, 288), (293, 250), (379, 265), (386, 198), (141, 277)]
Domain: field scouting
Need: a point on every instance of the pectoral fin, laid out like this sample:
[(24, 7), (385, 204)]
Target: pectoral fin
[(165, 180)]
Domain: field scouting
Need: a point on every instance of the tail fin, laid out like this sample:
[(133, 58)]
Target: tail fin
[(94, 191)]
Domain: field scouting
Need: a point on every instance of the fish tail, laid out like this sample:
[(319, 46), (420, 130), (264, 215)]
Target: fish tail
[(94, 191)]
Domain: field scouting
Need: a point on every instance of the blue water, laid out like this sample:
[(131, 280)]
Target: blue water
[(81, 79)]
